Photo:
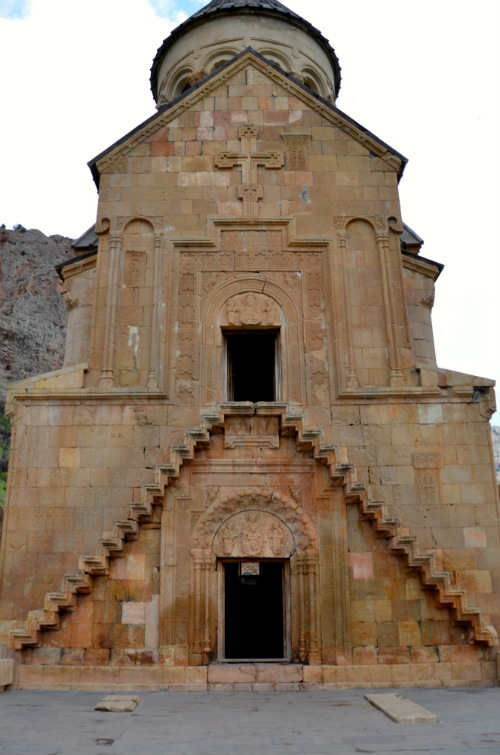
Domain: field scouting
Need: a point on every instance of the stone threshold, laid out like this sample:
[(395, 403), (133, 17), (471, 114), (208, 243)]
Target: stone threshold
[(254, 677)]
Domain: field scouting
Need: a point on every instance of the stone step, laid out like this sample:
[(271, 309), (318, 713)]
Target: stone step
[(259, 673), (254, 677)]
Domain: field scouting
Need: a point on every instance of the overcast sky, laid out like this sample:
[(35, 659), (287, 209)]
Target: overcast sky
[(423, 76)]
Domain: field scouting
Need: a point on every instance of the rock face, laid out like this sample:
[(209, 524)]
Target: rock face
[(32, 311)]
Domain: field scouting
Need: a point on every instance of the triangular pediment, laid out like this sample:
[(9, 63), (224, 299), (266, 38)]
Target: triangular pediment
[(111, 160)]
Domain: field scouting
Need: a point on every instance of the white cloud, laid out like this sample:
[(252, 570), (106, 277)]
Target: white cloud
[(422, 76), (13, 8)]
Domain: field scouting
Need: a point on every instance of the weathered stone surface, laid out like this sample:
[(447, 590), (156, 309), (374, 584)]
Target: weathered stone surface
[(118, 703), (6, 672), (402, 710), (250, 384), (32, 312)]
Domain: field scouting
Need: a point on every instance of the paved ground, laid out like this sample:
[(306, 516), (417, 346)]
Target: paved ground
[(247, 723)]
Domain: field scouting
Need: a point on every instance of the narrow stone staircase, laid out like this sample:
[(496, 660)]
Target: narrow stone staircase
[(113, 545)]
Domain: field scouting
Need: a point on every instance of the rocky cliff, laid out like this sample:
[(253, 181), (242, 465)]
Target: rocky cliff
[(32, 311), (32, 314)]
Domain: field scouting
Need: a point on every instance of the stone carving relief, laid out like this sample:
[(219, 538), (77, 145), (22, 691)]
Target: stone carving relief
[(296, 150), (135, 269), (113, 164), (250, 309), (254, 534), (386, 163), (427, 484), (251, 432), (273, 508)]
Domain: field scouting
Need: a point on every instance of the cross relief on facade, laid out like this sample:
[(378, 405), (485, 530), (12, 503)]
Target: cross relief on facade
[(250, 160)]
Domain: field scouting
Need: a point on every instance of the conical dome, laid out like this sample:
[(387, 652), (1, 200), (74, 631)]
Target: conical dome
[(223, 28)]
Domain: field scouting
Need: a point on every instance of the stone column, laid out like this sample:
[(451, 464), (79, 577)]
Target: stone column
[(106, 379), (396, 375), (352, 381), (155, 317), (312, 575), (197, 555), (302, 608), (206, 646)]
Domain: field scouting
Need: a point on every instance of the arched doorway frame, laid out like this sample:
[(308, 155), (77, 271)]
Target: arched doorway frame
[(303, 564), (291, 338)]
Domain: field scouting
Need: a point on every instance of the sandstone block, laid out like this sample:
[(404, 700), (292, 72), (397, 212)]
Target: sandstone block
[(334, 674), (312, 674), (118, 703), (282, 674), (6, 672), (401, 710), (230, 674), (393, 655)]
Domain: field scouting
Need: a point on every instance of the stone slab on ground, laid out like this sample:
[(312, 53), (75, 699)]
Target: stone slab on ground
[(337, 722), (118, 703), (401, 710)]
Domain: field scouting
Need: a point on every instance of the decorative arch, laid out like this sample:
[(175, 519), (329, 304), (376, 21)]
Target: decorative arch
[(313, 80), (289, 533), (253, 534), (139, 226), (179, 82), (276, 57), (284, 508), (291, 337), (217, 58)]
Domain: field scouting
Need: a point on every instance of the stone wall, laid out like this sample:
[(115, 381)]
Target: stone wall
[(251, 205)]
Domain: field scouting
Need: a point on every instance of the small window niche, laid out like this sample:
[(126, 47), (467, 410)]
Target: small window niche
[(252, 365)]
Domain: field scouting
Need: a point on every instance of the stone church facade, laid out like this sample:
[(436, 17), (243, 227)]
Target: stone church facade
[(250, 468)]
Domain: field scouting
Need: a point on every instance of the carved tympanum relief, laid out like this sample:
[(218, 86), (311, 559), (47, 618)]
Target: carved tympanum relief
[(273, 507), (250, 309), (253, 534)]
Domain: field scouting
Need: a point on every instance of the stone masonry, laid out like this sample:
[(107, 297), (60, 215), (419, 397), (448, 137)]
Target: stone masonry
[(250, 205)]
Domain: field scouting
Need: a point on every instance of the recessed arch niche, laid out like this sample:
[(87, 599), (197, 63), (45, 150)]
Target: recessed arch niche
[(367, 305), (133, 339), (285, 313)]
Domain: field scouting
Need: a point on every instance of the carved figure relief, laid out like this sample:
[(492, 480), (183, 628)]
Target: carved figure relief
[(250, 309), (254, 534), (272, 507), (135, 269)]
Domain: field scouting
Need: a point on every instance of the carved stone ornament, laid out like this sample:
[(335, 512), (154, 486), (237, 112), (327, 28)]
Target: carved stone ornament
[(253, 534), (114, 164), (250, 309), (134, 268), (386, 163), (296, 140), (279, 507)]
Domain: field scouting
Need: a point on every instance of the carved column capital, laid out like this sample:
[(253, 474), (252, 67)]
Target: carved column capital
[(383, 238)]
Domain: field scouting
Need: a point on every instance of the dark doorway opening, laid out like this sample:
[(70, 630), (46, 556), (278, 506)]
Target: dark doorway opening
[(251, 363), (254, 611)]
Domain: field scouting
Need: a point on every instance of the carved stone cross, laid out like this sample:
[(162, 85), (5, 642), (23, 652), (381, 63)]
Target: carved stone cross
[(249, 159)]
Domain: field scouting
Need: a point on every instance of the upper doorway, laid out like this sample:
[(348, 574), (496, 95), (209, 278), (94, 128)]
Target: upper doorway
[(254, 620), (252, 366)]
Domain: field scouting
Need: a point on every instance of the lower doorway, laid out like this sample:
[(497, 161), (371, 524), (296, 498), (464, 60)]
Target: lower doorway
[(254, 611)]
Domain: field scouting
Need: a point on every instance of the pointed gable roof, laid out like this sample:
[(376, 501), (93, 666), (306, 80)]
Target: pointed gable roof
[(391, 158), (255, 7)]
